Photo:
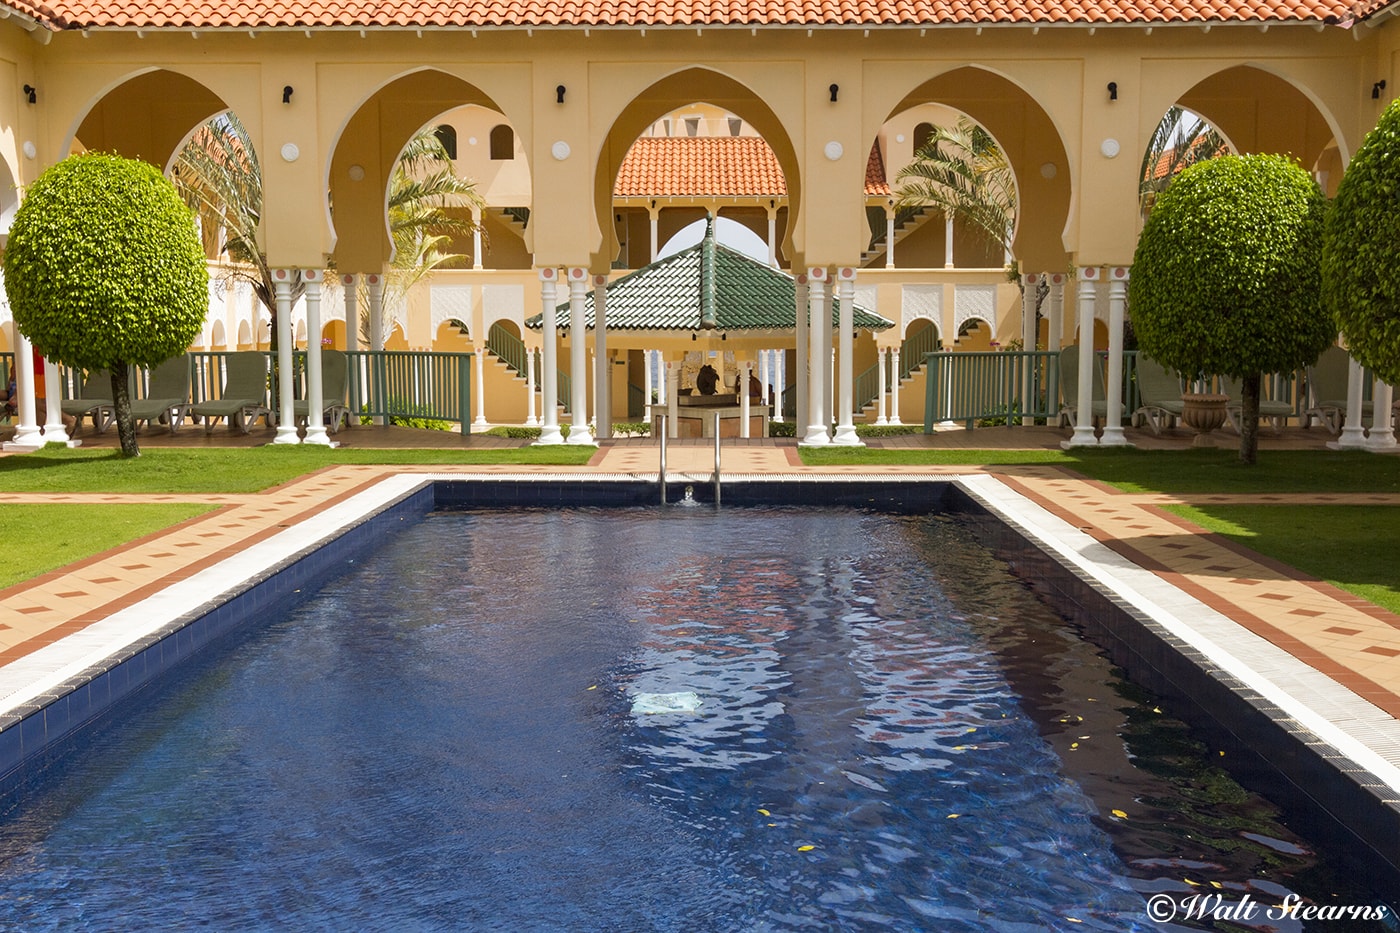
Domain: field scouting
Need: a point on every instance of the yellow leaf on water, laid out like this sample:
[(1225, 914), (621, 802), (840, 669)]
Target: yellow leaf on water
[(594, 687), (765, 812), (1074, 745), (1194, 884), (954, 816), (1120, 814), (1216, 884), (1074, 920), (805, 848)]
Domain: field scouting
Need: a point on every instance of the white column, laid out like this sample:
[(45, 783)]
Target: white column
[(1353, 434), (779, 382), (773, 237), (54, 431), (531, 361), (1030, 282), (673, 412), (745, 369), (549, 362), (889, 236), (27, 433), (882, 359), (828, 357), (479, 383), (1382, 433), (845, 427), (646, 381), (315, 392), (579, 432), (654, 216), (1084, 422), (282, 294), (602, 392), (803, 384), (894, 386), (476, 238), (374, 283), (1056, 328), (1113, 390), (817, 365), (947, 242), (352, 311)]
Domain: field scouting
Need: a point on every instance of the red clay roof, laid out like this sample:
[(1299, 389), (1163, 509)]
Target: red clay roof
[(700, 166), (875, 183), (263, 14)]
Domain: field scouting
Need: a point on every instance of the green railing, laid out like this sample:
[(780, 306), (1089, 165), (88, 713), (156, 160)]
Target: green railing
[(914, 348), (990, 386), (507, 346), (382, 383)]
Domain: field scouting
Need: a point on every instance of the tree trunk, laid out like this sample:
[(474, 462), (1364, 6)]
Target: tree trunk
[(1249, 418), (121, 404)]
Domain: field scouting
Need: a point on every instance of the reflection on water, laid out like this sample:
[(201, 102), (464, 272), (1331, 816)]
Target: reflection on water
[(892, 734)]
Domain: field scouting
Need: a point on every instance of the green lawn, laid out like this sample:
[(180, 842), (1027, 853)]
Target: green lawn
[(1350, 546), (40, 538), (1183, 471), (161, 469)]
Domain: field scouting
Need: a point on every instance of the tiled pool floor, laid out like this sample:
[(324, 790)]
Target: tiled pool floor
[(1349, 649)]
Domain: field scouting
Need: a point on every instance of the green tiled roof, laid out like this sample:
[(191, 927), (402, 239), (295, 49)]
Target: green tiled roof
[(677, 293)]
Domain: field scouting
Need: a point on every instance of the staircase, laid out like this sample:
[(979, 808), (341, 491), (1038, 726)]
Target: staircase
[(509, 351), (911, 376), (905, 222)]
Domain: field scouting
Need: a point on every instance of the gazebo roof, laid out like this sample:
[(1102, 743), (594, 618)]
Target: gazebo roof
[(706, 287)]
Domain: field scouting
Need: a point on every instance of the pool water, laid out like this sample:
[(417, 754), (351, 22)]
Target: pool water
[(893, 734)]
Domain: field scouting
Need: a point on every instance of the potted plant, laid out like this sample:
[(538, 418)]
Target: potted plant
[(1226, 278)]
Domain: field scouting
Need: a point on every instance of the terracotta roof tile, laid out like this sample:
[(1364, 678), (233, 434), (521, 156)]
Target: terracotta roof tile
[(700, 166), (875, 183), (213, 14)]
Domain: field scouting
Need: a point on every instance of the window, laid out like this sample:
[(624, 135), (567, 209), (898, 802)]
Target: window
[(922, 134), (502, 143), (692, 126), (735, 125), (447, 135)]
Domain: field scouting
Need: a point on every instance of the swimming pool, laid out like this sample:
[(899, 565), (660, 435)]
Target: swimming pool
[(893, 733)]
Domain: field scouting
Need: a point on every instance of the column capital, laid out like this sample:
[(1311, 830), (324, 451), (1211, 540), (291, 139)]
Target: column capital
[(548, 274), (1030, 278), (846, 273), (283, 276), (348, 279), (600, 281), (817, 273), (1119, 273), (1090, 273), (1058, 278), (312, 275), (578, 274)]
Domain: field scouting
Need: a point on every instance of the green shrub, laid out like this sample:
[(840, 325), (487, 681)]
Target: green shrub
[(887, 430), (1360, 265), (782, 429)]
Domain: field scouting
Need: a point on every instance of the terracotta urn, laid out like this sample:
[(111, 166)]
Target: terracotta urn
[(1203, 412)]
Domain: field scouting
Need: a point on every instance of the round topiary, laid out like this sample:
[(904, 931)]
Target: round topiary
[(1360, 264), (1226, 277), (104, 269)]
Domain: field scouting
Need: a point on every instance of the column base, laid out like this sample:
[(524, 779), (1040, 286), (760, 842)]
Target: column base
[(846, 436), (481, 422), (580, 436), (1386, 442), (1350, 439), (549, 434), (1083, 437), (1114, 437), (286, 434), (816, 436), (317, 435)]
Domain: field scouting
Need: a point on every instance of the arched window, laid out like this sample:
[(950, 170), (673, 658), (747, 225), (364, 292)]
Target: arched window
[(502, 143), (922, 134), (447, 135)]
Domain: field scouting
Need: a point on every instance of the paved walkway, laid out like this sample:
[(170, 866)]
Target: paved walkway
[(1352, 642)]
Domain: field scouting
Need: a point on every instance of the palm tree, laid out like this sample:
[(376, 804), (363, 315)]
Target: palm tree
[(962, 171), (218, 173), (1182, 139)]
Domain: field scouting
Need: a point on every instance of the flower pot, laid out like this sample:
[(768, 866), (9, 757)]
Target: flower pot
[(1203, 413)]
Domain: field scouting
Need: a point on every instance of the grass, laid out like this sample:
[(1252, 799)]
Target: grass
[(55, 534), (231, 470), (1349, 546), (1183, 471)]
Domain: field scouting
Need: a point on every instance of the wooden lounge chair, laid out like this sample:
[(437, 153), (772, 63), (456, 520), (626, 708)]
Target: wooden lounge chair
[(1069, 389), (1327, 391), (244, 396), (335, 377), (1160, 393), (167, 394), (1276, 413), (95, 399)]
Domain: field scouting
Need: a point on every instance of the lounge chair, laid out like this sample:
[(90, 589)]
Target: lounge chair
[(1327, 391), (95, 399), (335, 376), (244, 396), (1069, 389), (167, 394), (1160, 394), (1276, 413)]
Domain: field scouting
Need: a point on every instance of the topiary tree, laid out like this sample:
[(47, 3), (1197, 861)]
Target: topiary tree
[(1226, 279), (104, 270), (1360, 265)]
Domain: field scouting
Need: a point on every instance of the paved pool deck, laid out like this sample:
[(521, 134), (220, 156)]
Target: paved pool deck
[(1330, 660)]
